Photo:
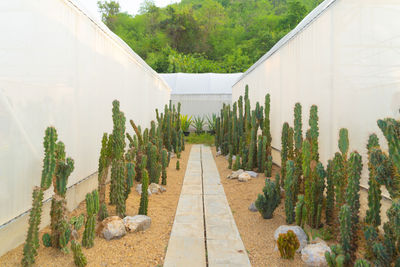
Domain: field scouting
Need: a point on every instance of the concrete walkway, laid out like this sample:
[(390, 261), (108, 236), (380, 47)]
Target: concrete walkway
[(204, 231)]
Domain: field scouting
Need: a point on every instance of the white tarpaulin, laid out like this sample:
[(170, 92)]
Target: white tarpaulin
[(59, 67), (201, 94), (344, 57)]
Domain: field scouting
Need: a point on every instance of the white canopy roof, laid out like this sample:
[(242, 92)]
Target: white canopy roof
[(201, 83)]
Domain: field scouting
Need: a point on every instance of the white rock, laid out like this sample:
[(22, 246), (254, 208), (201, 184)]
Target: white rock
[(154, 188), (314, 254), (301, 235), (235, 175), (137, 223), (162, 189), (244, 177), (139, 189), (218, 153), (252, 174), (113, 227)]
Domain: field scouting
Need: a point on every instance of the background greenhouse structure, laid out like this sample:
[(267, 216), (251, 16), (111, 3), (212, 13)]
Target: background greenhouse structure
[(201, 94), (63, 68)]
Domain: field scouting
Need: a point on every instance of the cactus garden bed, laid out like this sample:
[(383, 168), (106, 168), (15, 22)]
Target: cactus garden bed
[(134, 249)]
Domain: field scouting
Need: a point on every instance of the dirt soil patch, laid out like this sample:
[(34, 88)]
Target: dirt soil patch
[(134, 249), (257, 233)]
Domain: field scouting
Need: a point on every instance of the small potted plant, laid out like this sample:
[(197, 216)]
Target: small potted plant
[(211, 122), (185, 123), (198, 124)]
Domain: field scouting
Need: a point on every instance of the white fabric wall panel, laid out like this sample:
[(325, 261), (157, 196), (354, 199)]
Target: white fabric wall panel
[(201, 105), (60, 68), (346, 61)]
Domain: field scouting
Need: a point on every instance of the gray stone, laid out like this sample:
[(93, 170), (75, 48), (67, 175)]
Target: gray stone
[(253, 207), (218, 153), (137, 223), (154, 188), (235, 175), (313, 255), (162, 189), (244, 177), (252, 174), (113, 227), (139, 189), (301, 235)]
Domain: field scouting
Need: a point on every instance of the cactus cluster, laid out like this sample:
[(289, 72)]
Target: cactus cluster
[(92, 208), (288, 243), (237, 134), (267, 202)]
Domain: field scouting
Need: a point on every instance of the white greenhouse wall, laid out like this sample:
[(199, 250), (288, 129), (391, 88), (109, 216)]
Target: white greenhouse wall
[(59, 67), (201, 105), (346, 62)]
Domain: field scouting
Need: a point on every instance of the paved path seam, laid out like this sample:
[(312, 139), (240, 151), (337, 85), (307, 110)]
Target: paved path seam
[(204, 232)]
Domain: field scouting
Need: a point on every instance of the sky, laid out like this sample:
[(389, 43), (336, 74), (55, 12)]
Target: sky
[(129, 6)]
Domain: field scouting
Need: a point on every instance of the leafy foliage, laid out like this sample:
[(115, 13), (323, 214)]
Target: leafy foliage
[(205, 35)]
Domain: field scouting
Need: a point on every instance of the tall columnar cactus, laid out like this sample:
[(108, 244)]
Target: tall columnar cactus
[(288, 243), (260, 156), (344, 141), (64, 168), (290, 192), (267, 203), (118, 147), (268, 168), (346, 234), (300, 211), (263, 151), (362, 263), (153, 165), (373, 216), (353, 197), (49, 161), (290, 145), (230, 157), (79, 258), (284, 150), (32, 238), (298, 142), (92, 208), (164, 164), (253, 146), (130, 176), (330, 194), (267, 127), (144, 202), (241, 118), (314, 194), (339, 179), (314, 132), (104, 164), (236, 165)]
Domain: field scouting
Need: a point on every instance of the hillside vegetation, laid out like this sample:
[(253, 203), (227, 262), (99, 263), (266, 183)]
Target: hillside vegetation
[(197, 36)]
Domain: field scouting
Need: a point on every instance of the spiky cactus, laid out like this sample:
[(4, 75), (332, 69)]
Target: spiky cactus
[(314, 132), (373, 216), (288, 243), (353, 197), (298, 142), (290, 145), (117, 169), (267, 127), (300, 211), (330, 194), (284, 150), (46, 239), (253, 144), (177, 167), (290, 192), (144, 202), (130, 176), (104, 164), (79, 258), (230, 157), (92, 208), (362, 263), (268, 169), (346, 232), (32, 238), (236, 165), (339, 179), (267, 203), (336, 257), (164, 161), (260, 155), (153, 165)]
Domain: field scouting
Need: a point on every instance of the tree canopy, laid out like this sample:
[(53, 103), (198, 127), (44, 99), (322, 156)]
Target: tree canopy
[(198, 36)]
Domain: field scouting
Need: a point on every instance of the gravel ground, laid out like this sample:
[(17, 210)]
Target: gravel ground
[(256, 232), (136, 249)]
